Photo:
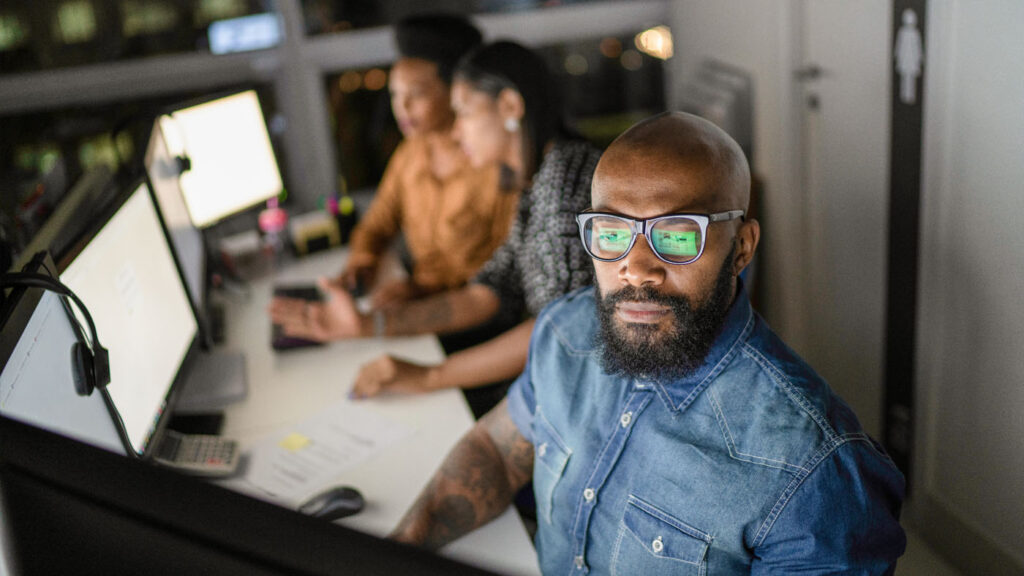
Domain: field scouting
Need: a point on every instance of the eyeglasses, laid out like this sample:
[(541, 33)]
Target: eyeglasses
[(675, 239)]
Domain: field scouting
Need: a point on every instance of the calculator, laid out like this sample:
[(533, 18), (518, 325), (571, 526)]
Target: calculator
[(198, 454)]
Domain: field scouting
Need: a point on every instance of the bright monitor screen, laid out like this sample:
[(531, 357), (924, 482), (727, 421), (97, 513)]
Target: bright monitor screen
[(127, 277), (232, 162)]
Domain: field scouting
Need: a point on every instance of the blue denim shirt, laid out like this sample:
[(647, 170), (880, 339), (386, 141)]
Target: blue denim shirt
[(750, 465)]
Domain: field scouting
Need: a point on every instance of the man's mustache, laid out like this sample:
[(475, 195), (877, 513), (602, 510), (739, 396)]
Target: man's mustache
[(642, 294)]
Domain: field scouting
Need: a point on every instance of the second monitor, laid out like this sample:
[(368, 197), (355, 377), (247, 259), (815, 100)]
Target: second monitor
[(227, 163)]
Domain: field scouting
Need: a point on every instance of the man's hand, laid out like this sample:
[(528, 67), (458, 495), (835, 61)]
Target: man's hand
[(387, 375), (335, 319)]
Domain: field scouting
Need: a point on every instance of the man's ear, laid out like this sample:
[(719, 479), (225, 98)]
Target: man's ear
[(511, 104), (747, 238)]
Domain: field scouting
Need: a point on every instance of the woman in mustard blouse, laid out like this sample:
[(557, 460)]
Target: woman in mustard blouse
[(453, 215)]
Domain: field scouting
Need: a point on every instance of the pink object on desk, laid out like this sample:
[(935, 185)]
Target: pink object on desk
[(273, 218)]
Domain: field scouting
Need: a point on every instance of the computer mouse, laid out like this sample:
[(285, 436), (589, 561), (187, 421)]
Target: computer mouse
[(334, 503)]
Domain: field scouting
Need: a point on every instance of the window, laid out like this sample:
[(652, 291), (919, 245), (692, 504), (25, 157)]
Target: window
[(75, 22), (364, 130), (49, 34), (210, 10), (13, 32), (607, 83), (147, 17)]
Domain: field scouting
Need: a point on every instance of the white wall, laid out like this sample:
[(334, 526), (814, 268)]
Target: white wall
[(971, 358)]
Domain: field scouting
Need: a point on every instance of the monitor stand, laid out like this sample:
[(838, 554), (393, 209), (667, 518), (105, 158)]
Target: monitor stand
[(217, 379)]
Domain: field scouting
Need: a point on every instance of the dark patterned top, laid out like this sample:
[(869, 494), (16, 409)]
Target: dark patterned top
[(543, 258)]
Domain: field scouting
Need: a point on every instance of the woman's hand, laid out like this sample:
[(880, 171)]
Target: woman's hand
[(357, 278), (335, 319), (389, 375)]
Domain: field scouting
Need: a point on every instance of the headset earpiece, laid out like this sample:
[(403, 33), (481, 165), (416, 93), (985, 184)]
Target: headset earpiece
[(100, 365), (82, 369)]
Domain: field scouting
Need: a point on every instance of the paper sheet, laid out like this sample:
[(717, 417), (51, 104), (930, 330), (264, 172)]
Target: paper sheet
[(293, 461)]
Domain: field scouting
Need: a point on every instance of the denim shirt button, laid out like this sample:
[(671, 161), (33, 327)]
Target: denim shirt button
[(578, 561), (588, 494), (542, 449), (657, 545), (626, 419)]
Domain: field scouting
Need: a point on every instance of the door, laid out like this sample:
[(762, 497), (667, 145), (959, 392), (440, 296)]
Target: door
[(843, 83)]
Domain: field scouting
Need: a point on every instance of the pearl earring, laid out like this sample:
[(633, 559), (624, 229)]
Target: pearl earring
[(511, 124)]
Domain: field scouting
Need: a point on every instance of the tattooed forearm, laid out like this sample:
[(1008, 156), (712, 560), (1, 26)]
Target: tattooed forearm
[(445, 312), (429, 315), (457, 517), (475, 484), (516, 451)]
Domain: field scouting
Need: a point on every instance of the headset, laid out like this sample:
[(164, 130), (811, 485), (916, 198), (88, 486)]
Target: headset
[(90, 360)]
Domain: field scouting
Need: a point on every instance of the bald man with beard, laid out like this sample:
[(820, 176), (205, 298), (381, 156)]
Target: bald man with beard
[(666, 428)]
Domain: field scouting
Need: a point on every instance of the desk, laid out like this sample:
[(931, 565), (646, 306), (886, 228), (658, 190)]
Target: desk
[(286, 388)]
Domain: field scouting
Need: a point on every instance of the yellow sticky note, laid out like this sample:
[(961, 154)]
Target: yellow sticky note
[(294, 442)]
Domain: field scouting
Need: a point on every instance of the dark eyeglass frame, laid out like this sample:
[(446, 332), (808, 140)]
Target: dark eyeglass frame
[(642, 226)]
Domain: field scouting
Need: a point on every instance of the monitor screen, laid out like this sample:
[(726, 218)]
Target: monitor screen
[(37, 384), (162, 168), (231, 162), (127, 277)]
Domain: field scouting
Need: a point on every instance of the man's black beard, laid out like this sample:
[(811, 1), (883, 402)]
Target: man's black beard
[(642, 350)]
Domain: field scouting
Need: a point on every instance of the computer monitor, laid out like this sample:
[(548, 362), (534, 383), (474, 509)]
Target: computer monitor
[(219, 379), (37, 384), (163, 171), (69, 508), (126, 274), (228, 163)]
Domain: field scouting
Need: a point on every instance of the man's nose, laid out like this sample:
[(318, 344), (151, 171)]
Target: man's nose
[(641, 267)]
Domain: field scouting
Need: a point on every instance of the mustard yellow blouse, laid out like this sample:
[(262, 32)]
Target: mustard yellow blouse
[(451, 227)]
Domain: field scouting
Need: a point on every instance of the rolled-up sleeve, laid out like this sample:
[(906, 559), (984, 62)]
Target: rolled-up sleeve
[(842, 517), (522, 400)]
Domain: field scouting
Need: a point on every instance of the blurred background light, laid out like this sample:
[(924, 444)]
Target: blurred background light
[(656, 42)]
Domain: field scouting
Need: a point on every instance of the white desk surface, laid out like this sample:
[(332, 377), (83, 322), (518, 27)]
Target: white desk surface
[(288, 387)]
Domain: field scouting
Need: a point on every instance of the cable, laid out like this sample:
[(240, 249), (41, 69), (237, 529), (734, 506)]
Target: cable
[(47, 283), (122, 432)]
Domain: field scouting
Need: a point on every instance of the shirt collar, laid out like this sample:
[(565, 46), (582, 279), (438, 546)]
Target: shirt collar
[(678, 393)]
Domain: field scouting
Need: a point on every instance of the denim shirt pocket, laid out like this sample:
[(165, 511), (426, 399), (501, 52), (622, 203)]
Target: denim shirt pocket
[(550, 457), (652, 542)]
